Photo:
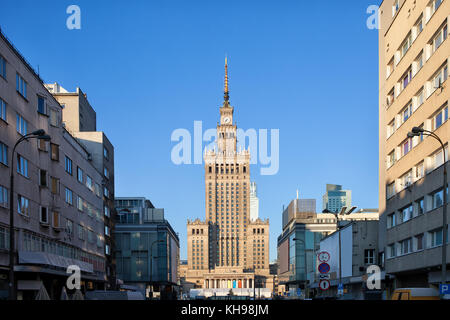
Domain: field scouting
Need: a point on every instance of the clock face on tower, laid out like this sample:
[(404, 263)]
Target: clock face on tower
[(226, 120)]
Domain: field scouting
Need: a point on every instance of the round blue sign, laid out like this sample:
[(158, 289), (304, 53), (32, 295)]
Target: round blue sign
[(324, 267)]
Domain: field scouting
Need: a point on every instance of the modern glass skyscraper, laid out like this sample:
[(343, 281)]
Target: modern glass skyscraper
[(335, 198)]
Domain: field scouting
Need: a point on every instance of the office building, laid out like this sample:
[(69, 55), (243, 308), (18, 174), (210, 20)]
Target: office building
[(335, 198), (413, 60), (147, 248), (58, 202), (254, 202)]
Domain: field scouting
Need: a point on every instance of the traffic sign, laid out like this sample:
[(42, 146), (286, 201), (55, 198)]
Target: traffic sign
[(299, 292), (444, 289), (340, 289), (324, 276), (324, 284), (323, 256), (324, 267)]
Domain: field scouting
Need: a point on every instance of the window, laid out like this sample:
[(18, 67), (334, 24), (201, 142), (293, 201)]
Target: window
[(69, 226), (81, 232), (54, 152), (99, 241), (41, 107), (89, 182), (406, 213), (2, 109), (440, 37), (391, 220), (391, 251), (22, 165), (419, 99), (3, 197), (407, 112), (406, 246), (439, 118), (21, 85), (55, 219), (107, 250), (391, 128), (419, 242), (105, 153), (107, 231), (440, 77), (21, 125), (69, 196), (43, 178), (406, 146), (80, 174), (406, 179), (54, 118), (406, 79), (390, 68), (390, 190), (106, 172), (437, 158), (418, 63), (90, 236), (106, 192), (23, 205), (390, 98), (405, 45), (80, 203), (43, 215), (419, 26), (395, 7), (369, 256), (68, 165), (435, 238), (437, 199), (3, 153), (54, 185), (2, 67), (419, 207)]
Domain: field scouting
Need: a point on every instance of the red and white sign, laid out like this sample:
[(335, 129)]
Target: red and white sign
[(324, 284), (323, 256)]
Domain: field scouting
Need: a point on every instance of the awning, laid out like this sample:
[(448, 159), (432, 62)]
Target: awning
[(49, 259)]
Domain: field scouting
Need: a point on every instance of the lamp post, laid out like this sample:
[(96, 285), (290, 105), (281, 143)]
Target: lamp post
[(38, 134), (306, 266), (151, 265), (415, 132), (342, 213)]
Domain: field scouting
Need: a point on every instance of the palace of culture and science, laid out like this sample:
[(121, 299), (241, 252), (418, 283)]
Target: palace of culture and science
[(227, 251)]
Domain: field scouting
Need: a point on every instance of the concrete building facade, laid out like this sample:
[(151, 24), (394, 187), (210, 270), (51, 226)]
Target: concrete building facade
[(413, 92), (79, 118), (57, 217)]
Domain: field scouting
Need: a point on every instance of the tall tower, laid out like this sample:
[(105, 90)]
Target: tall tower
[(227, 187)]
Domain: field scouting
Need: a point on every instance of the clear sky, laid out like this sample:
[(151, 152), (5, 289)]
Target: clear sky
[(307, 68)]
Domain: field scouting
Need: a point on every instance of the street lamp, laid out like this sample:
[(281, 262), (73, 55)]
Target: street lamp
[(306, 266), (151, 265), (416, 132), (38, 134), (342, 213)]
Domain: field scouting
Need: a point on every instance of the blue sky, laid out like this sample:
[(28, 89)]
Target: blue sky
[(307, 68)]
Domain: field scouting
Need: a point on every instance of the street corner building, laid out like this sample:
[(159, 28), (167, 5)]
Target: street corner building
[(414, 92), (228, 253), (63, 194), (147, 249)]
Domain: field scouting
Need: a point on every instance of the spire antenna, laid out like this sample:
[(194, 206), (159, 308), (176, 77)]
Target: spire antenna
[(226, 95)]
